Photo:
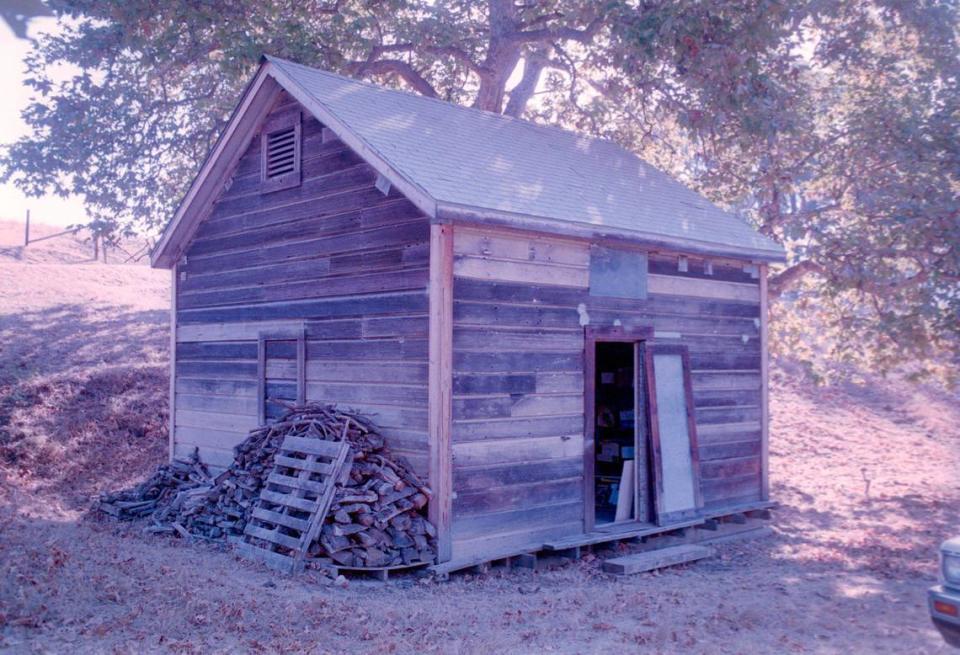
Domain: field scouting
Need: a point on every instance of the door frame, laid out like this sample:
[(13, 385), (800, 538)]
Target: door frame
[(593, 336)]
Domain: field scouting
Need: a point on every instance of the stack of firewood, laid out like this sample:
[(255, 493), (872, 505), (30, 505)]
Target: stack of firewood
[(171, 483), (377, 518)]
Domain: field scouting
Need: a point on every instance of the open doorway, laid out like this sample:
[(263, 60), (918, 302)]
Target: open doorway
[(620, 468)]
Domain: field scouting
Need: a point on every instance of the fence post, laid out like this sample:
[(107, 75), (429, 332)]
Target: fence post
[(26, 234)]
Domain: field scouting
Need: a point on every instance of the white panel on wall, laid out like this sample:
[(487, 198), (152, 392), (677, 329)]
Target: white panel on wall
[(676, 462)]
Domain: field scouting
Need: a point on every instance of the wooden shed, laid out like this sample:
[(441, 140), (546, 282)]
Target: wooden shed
[(563, 339)]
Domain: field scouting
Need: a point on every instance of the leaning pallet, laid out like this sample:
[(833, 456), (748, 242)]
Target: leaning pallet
[(282, 501), (290, 511)]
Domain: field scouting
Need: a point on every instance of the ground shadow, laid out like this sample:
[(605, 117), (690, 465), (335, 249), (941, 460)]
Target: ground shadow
[(83, 396)]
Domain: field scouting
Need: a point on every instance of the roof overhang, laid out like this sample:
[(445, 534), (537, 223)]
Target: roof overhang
[(257, 101), (452, 213), (259, 98), (254, 105)]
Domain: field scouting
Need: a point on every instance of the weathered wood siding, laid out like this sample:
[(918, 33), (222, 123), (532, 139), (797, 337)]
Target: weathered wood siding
[(333, 257), (520, 305)]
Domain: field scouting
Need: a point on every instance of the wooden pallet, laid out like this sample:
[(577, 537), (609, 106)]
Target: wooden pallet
[(381, 573), (514, 558), (294, 501)]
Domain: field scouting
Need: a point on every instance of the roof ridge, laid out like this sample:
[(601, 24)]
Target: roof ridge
[(599, 174), (486, 112)]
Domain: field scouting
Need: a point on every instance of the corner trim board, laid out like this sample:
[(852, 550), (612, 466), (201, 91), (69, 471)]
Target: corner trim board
[(173, 363), (440, 382), (764, 387)]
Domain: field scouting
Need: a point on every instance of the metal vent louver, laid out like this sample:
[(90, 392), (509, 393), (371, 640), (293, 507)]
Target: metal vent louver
[(281, 152)]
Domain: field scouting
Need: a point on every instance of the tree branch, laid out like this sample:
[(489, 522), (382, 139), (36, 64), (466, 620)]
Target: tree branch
[(564, 33), (456, 53), (441, 51), (397, 67), (780, 282), (542, 18), (329, 11)]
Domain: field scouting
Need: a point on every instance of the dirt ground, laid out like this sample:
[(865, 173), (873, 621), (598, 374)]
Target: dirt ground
[(866, 477)]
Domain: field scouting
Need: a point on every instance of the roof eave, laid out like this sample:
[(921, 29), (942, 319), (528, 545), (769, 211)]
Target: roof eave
[(230, 145), (456, 213), (406, 185)]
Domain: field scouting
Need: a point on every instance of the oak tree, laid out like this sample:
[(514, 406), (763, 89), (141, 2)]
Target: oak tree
[(830, 124)]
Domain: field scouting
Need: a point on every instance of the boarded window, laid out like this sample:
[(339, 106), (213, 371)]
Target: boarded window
[(281, 372), (280, 152), (618, 273), (673, 433)]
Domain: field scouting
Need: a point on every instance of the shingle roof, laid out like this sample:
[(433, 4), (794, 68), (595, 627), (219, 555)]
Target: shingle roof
[(484, 162)]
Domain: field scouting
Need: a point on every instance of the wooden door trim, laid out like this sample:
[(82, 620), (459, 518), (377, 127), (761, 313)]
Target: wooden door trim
[(592, 336)]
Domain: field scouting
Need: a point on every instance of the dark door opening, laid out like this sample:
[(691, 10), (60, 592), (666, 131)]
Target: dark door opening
[(621, 470)]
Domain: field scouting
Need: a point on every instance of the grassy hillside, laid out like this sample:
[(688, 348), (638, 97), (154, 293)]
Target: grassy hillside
[(48, 245), (866, 475), (83, 366)]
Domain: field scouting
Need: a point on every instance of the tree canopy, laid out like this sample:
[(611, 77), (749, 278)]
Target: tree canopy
[(830, 124)]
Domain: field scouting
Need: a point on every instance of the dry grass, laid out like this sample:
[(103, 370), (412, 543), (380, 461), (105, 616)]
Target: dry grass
[(866, 475)]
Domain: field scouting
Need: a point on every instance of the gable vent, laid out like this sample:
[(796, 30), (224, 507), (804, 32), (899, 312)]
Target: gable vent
[(280, 152)]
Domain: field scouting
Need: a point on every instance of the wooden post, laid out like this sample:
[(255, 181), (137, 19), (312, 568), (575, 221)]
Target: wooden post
[(441, 386), (764, 389), (26, 234), (173, 359), (589, 430)]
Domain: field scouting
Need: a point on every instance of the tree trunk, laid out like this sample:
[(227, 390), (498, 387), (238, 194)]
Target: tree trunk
[(533, 64), (503, 54)]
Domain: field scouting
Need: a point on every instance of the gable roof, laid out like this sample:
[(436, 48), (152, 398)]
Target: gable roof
[(461, 164)]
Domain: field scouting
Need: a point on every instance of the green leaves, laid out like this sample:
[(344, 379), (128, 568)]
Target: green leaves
[(831, 124)]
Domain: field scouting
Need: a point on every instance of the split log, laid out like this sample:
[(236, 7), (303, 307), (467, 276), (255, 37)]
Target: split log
[(377, 517)]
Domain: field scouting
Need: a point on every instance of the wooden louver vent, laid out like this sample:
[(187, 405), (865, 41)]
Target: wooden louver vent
[(280, 152)]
